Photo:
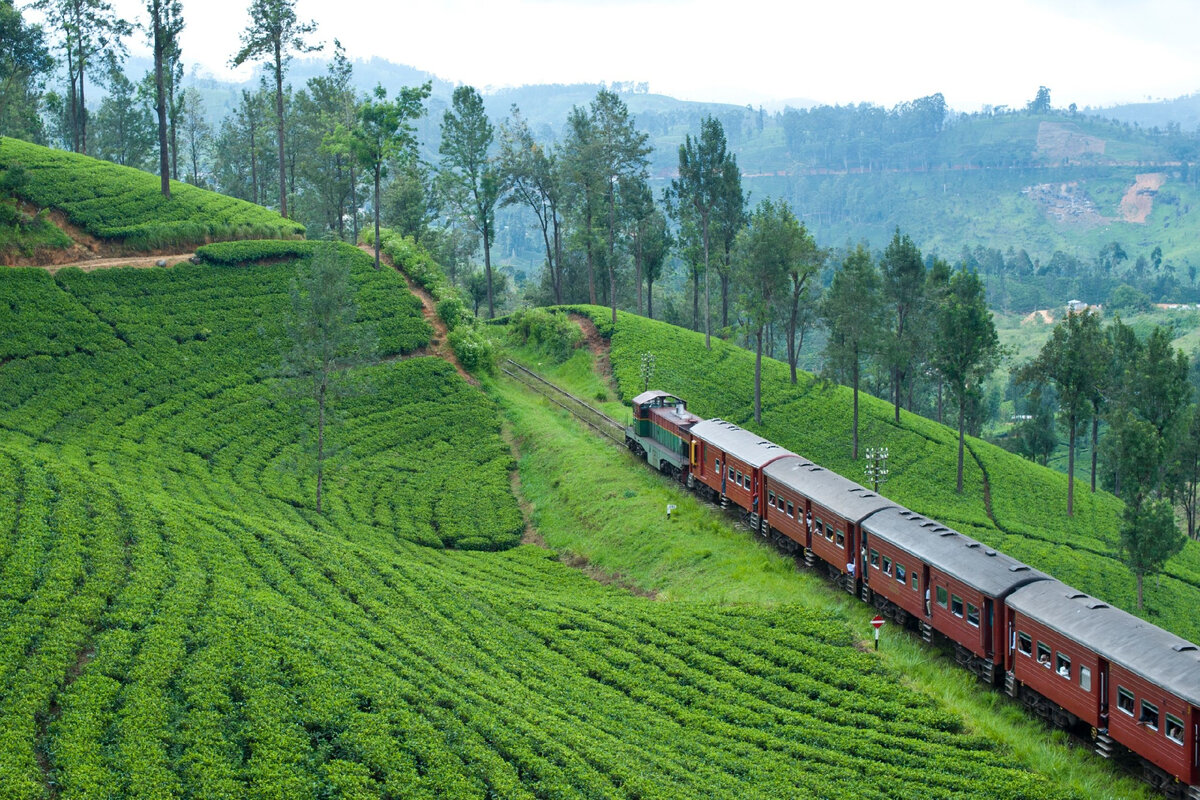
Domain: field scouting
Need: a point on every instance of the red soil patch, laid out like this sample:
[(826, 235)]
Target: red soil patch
[(1138, 201)]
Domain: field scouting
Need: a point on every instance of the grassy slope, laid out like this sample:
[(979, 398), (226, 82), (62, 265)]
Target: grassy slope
[(176, 621), (595, 500), (1027, 514), (125, 205)]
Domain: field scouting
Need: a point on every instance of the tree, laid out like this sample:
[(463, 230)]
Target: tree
[(1148, 539), (1070, 362), (852, 310), (197, 134), (469, 176), (273, 35), (1185, 471), (729, 218), (166, 23), (1040, 104), (124, 129), (765, 253), (86, 28), (528, 170), (582, 181), (23, 60), (623, 156), (323, 342), (699, 186), (966, 347), (653, 243), (802, 273), (903, 272), (383, 133)]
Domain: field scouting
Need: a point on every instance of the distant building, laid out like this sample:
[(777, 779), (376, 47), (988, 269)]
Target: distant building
[(1078, 306)]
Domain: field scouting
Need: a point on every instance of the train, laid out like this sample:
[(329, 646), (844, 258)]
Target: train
[(1070, 657)]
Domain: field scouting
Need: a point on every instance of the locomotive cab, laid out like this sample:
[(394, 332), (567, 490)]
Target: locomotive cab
[(660, 432)]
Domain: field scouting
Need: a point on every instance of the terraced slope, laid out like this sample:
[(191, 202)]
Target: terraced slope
[(125, 206), (1022, 512), (177, 622)]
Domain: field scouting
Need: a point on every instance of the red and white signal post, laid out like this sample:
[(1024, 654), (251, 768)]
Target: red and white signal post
[(877, 623)]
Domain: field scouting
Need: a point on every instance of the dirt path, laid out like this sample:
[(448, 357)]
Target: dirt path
[(438, 345), (141, 262), (599, 346)]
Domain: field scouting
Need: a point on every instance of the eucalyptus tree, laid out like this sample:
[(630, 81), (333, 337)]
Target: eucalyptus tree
[(197, 133), (529, 178), (23, 60), (966, 347), (1149, 537), (166, 23), (86, 28), (653, 245), (1070, 362), (903, 272), (384, 132), (323, 114), (729, 218), (273, 35), (765, 252), (123, 131), (643, 232), (623, 160), (581, 178), (469, 177), (699, 186), (852, 310), (802, 277)]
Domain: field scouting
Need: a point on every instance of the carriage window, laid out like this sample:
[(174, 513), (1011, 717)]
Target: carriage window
[(1125, 700), (901, 573), (791, 509), (731, 473), (746, 481), (1062, 665), (956, 605), (1085, 678), (839, 539), (1025, 643), (972, 615), (1044, 655), (887, 566), (770, 498), (1149, 716), (819, 527), (738, 481), (941, 596), (717, 465), (914, 582), (875, 559), (1174, 729)]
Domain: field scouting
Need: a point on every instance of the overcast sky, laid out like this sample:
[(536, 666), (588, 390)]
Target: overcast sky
[(976, 52)]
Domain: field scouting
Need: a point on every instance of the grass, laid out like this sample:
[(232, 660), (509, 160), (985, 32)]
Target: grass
[(597, 501)]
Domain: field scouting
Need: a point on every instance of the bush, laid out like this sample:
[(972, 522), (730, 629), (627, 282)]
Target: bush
[(473, 351), (551, 333), (452, 311)]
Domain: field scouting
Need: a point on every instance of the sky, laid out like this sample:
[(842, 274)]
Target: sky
[(975, 52)]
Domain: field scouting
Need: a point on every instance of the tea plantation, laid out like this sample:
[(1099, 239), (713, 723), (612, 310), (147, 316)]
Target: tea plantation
[(176, 621), (125, 205), (1027, 514)]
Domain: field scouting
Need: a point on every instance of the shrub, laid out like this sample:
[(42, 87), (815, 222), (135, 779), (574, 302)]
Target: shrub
[(551, 333), (452, 312), (473, 351)]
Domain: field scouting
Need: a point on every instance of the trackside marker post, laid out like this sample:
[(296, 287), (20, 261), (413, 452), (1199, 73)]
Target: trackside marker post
[(877, 623)]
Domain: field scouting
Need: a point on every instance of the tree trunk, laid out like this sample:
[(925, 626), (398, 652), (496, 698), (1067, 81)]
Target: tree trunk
[(650, 299), (487, 265), (160, 105), (378, 169), (962, 417), (854, 380), (696, 300), (1095, 439), (725, 297), (758, 377), (283, 210), (1139, 591), (793, 353), (83, 115), (354, 205), (1071, 466), (939, 410), (320, 444), (707, 304), (896, 391)]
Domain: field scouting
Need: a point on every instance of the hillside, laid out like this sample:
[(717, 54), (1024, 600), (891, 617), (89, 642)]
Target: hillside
[(177, 621), (1008, 503), (107, 209)]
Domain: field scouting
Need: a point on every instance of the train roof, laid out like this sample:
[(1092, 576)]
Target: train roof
[(653, 394), (827, 488), (978, 566), (739, 442), (1118, 636)]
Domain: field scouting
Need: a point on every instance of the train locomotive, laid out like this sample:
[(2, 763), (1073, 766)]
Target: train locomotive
[(1069, 657)]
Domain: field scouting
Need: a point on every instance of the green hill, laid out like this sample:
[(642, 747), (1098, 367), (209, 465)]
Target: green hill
[(124, 207), (177, 621), (1009, 503)]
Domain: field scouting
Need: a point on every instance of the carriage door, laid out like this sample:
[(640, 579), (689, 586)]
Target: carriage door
[(989, 622)]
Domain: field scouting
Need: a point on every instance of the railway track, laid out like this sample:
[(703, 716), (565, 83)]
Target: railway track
[(603, 424)]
